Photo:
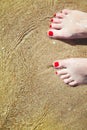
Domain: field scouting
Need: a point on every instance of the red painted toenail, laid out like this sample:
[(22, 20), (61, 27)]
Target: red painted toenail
[(56, 64), (51, 20), (50, 33), (54, 15), (50, 26), (56, 72)]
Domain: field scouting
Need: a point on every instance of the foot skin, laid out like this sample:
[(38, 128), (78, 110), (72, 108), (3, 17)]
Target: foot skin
[(69, 24), (72, 71)]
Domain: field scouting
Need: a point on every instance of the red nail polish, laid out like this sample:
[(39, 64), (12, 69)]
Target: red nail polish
[(50, 26), (51, 20), (50, 33), (54, 15), (56, 72), (56, 64)]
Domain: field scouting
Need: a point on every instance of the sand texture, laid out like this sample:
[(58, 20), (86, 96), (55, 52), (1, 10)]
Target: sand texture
[(32, 97)]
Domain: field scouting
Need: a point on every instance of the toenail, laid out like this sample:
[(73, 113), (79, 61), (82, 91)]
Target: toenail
[(50, 33), (54, 15), (56, 73), (51, 20), (56, 64), (50, 26)]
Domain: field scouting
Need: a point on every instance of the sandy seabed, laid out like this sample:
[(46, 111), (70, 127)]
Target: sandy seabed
[(32, 97)]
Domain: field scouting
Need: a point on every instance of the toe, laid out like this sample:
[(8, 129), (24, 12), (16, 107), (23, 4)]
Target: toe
[(62, 72), (66, 11), (59, 34), (59, 15), (56, 34), (60, 64), (65, 76), (56, 26), (56, 20), (67, 81), (73, 83)]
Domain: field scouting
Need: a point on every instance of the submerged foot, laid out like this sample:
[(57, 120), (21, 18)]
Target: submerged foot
[(69, 24), (72, 71)]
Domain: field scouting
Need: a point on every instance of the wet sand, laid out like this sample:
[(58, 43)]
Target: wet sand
[(32, 97)]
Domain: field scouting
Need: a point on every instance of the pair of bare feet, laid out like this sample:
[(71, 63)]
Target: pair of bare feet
[(70, 24)]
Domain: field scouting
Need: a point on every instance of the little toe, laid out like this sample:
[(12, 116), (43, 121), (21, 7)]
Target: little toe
[(65, 76), (66, 11), (73, 83), (68, 80), (56, 26), (56, 20)]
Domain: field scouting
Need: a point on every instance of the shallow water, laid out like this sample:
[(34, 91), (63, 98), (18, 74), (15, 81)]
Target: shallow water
[(32, 97)]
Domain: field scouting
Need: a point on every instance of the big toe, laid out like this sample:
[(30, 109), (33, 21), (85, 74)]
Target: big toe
[(56, 34), (59, 32), (60, 64)]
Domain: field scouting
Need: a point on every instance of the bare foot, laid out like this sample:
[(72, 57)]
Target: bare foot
[(72, 71), (69, 24)]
